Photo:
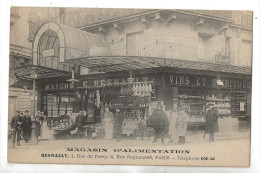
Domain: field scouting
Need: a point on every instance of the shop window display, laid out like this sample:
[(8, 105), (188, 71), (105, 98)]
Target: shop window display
[(221, 100)]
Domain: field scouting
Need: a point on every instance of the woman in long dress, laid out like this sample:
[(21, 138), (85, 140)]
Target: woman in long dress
[(46, 132), (172, 120), (109, 120)]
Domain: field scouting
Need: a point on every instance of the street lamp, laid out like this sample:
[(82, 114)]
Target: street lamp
[(73, 80), (34, 139)]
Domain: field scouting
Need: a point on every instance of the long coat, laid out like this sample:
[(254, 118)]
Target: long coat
[(118, 121), (181, 123), (27, 123), (159, 119), (212, 121)]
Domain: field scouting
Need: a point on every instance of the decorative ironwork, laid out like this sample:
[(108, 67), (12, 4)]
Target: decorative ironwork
[(86, 17)]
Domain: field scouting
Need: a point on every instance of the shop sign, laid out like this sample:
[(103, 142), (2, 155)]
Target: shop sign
[(177, 80), (111, 81), (201, 81), (59, 86)]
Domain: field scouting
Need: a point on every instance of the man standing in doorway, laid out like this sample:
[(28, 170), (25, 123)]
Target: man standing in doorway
[(16, 124), (212, 122)]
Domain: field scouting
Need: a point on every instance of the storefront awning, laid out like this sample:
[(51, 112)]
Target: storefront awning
[(123, 63), (26, 72), (23, 84)]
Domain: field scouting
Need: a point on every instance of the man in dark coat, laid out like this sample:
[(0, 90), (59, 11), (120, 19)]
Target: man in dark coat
[(212, 122), (160, 124), (80, 119), (16, 124), (118, 121), (26, 126)]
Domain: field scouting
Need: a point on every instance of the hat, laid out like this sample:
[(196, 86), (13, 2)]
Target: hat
[(26, 111)]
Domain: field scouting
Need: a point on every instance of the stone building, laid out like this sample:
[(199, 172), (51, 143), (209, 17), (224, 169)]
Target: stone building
[(191, 57), (197, 35)]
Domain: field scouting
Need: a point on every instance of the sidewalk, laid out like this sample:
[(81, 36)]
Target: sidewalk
[(191, 139), (197, 138)]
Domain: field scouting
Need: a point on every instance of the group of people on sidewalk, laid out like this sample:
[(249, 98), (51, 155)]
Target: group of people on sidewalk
[(21, 126), (176, 123)]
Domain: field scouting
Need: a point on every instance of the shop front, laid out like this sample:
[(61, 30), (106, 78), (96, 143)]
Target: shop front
[(137, 92), (133, 84)]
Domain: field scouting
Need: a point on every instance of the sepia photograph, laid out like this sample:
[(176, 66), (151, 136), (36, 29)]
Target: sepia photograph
[(125, 86)]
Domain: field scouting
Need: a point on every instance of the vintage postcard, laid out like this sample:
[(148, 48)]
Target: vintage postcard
[(130, 86)]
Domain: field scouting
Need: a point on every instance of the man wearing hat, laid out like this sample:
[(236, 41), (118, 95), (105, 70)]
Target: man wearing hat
[(212, 121), (27, 123), (16, 124)]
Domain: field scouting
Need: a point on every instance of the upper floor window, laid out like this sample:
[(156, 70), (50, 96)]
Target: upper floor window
[(62, 11), (134, 44), (227, 46), (203, 47), (246, 53)]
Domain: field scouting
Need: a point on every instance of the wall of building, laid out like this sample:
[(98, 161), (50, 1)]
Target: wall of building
[(20, 29), (18, 100), (181, 39)]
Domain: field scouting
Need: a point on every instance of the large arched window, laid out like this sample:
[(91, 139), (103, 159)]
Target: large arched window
[(48, 51), (54, 44)]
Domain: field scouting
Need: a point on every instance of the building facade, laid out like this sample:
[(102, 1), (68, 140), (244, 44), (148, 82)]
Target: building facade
[(211, 36), (131, 58), (19, 55)]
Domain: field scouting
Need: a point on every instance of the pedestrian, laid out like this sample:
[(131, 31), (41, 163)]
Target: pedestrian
[(46, 132), (79, 124), (38, 127), (181, 125), (26, 126), (16, 124), (29, 120), (109, 120), (159, 122), (172, 120), (212, 122), (118, 121)]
